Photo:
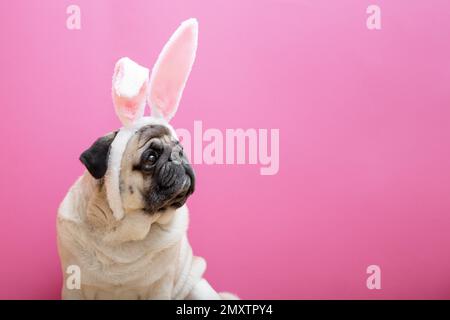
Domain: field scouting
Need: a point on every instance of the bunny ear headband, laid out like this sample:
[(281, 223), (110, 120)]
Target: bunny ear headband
[(132, 89)]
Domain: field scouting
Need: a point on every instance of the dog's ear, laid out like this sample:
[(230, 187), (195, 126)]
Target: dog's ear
[(95, 159)]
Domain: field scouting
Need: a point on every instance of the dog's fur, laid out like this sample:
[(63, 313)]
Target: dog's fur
[(146, 255), (124, 222)]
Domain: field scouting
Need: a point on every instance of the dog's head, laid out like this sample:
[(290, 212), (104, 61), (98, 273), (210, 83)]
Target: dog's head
[(142, 165), (154, 173)]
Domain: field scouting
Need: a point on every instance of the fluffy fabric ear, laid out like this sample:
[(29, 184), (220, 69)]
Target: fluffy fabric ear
[(129, 90), (95, 159), (171, 70)]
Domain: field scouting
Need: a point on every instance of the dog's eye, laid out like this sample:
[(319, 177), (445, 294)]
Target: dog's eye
[(150, 160)]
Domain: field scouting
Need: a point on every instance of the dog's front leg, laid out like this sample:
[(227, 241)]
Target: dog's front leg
[(162, 288), (74, 294)]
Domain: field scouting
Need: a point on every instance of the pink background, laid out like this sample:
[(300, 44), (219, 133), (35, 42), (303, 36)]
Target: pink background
[(364, 138)]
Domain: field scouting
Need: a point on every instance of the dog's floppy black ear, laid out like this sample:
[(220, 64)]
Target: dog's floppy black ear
[(95, 159)]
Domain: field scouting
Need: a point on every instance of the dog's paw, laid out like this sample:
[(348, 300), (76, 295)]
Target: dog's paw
[(228, 296)]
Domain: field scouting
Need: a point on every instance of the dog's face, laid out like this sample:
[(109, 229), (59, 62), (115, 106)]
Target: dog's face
[(155, 175)]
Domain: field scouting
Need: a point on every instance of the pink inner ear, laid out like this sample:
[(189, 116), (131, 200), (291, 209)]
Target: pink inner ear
[(130, 82), (171, 71), (128, 109)]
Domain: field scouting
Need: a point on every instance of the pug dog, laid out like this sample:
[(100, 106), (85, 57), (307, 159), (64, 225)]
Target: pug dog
[(122, 227)]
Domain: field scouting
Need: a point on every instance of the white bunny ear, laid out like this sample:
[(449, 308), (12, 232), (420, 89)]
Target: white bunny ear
[(129, 90), (171, 70)]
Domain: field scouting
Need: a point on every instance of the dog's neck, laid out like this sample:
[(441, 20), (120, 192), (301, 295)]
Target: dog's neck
[(98, 216)]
